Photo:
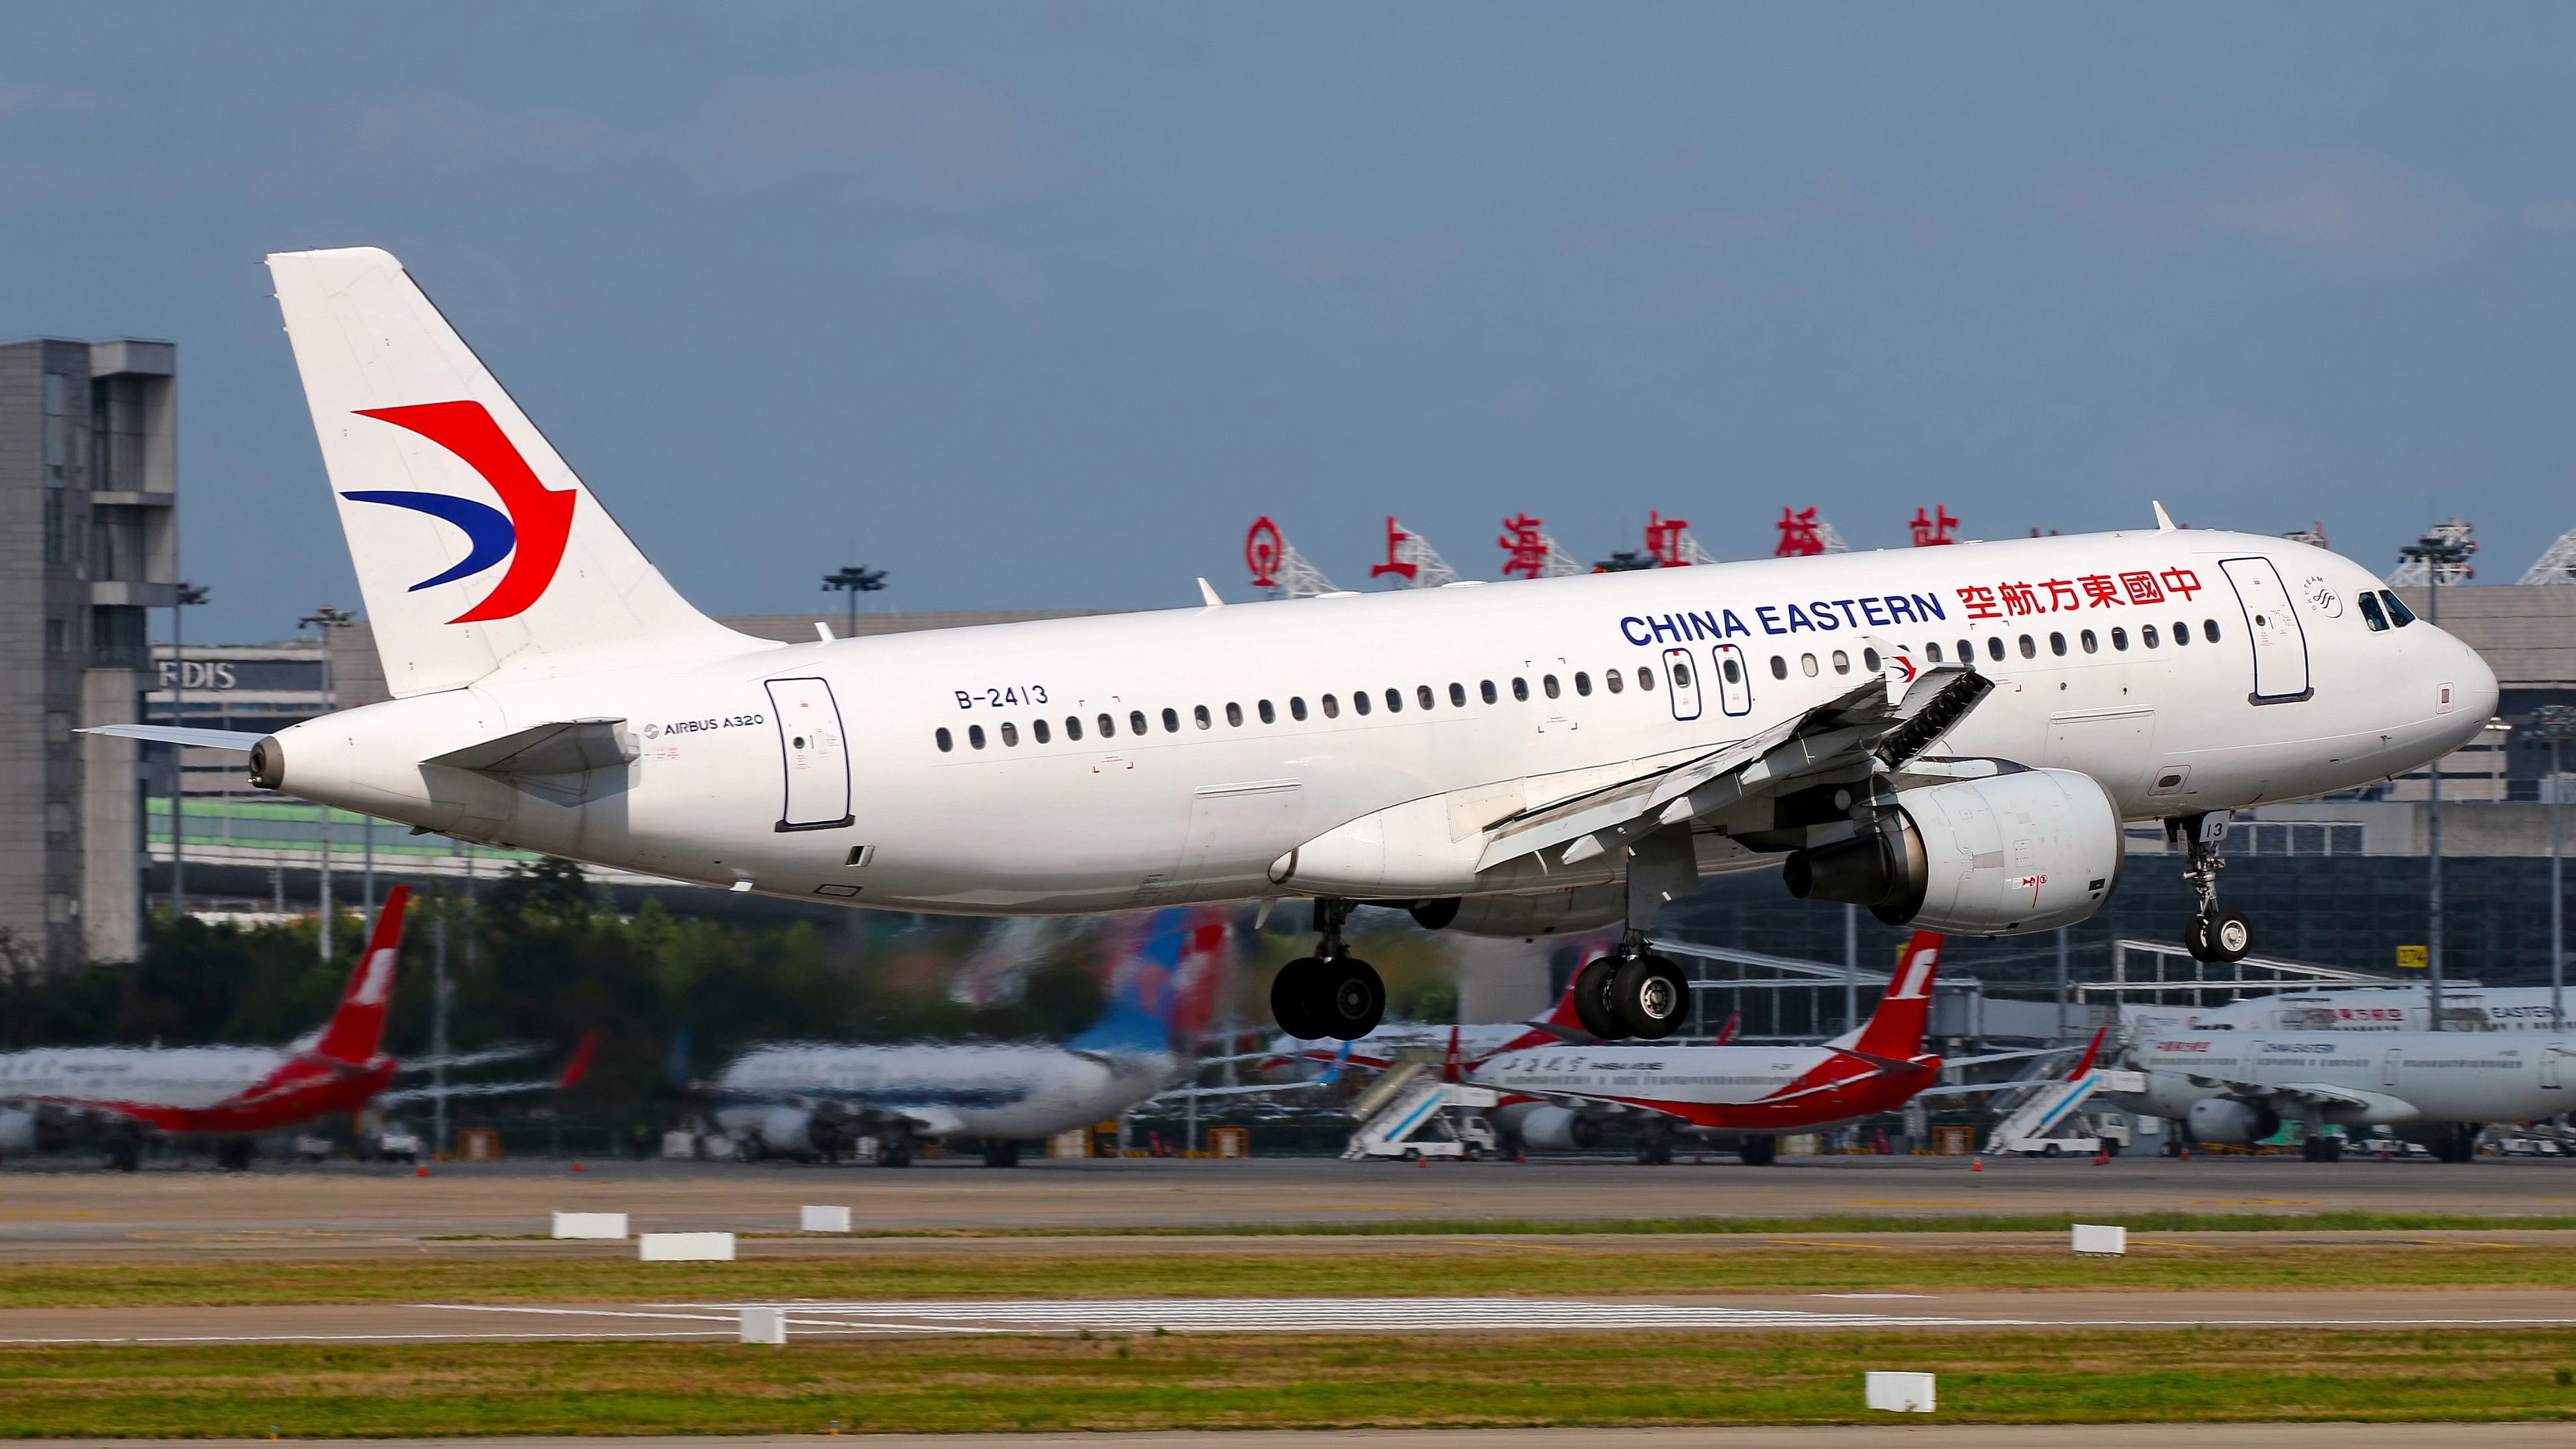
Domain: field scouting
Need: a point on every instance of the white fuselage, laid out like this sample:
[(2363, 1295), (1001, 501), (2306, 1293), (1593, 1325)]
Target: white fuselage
[(185, 1078), (2403, 1077), (2360, 1008), (1235, 735), (1000, 1091)]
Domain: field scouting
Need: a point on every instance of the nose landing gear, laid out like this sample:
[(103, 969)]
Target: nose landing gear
[(1331, 993), (2214, 934)]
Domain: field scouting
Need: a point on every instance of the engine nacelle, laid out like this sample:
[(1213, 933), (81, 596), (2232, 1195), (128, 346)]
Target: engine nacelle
[(785, 1131), (1577, 909), (2231, 1122), (1997, 856), (1548, 1128), (17, 1133)]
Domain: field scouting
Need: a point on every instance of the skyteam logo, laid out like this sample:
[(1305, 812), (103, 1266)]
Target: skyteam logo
[(531, 532)]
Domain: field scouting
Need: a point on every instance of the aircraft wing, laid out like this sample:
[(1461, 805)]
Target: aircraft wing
[(1892, 719), (2318, 1094)]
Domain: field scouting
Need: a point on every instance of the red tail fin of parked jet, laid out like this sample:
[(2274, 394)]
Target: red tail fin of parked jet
[(357, 1028), (1896, 1029)]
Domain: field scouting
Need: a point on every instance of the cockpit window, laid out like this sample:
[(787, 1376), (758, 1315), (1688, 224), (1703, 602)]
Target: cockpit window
[(2371, 615), (2398, 613)]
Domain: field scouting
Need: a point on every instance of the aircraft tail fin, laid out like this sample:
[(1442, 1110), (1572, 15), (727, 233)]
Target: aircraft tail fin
[(357, 1027), (1896, 1029), (2090, 1052), (1161, 981), (475, 545)]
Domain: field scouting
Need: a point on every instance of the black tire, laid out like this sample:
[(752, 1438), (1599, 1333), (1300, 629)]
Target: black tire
[(1350, 997), (233, 1154), (1413, 1154), (999, 1152), (2230, 936), (1293, 999), (1758, 1151), (1592, 999), (1472, 1152), (125, 1156), (1650, 996), (2051, 1150), (2195, 939)]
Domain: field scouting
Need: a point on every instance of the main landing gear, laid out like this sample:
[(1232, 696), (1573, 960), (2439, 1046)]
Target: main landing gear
[(1632, 993), (2214, 934), (1331, 993)]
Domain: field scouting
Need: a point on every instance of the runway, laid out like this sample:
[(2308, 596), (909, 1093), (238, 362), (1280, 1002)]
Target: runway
[(2261, 1435), (346, 1210), (808, 1318)]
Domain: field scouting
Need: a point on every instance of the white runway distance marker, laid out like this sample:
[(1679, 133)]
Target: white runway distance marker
[(590, 1225), (1898, 1393), (684, 1248), (822, 1220), (2101, 1240), (762, 1324)]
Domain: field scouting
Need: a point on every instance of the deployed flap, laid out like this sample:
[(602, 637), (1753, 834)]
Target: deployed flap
[(566, 748)]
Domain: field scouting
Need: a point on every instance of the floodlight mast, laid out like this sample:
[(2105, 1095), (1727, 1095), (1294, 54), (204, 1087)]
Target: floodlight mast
[(2441, 558)]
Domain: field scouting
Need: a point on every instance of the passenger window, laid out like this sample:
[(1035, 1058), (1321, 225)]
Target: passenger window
[(2120, 640), (1932, 651), (1171, 721), (1994, 646), (1038, 730), (1968, 651), (1582, 682), (1486, 688), (1296, 706), (1268, 715), (2182, 631), (1807, 663), (2209, 630), (1200, 714), (975, 736), (1520, 689), (1842, 662), (2371, 616), (1395, 701), (1458, 695), (947, 741), (1734, 671), (2398, 613), (2029, 650), (1869, 660), (1779, 667), (2057, 645), (1617, 679), (2147, 635), (1135, 721), (2092, 644), (1073, 727), (1423, 696), (1332, 707), (1360, 701), (1681, 676), (1646, 680), (1234, 714), (1010, 734), (1548, 683)]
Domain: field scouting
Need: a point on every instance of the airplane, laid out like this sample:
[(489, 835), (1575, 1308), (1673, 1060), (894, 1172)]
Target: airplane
[(2436, 1087), (806, 1100), (2357, 1008), (1951, 737), (1559, 1090), (226, 1093)]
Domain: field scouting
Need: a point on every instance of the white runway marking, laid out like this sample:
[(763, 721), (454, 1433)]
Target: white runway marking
[(1326, 1315)]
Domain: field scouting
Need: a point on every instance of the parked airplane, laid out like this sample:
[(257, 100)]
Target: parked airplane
[(809, 1099), (51, 1094), (1558, 1094), (2357, 1008), (2438, 1087), (1951, 737)]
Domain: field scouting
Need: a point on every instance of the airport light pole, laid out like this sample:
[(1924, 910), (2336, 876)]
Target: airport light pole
[(185, 597), (854, 580), (2555, 723), (2444, 552), (323, 620)]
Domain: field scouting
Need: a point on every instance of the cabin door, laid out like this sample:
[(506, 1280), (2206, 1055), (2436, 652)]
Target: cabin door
[(1681, 683), (2280, 644), (1734, 679), (812, 753)]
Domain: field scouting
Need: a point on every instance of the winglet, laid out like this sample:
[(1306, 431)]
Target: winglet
[(2164, 520), (1207, 591)]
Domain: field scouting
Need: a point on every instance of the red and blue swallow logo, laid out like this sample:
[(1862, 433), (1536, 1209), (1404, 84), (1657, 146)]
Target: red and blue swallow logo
[(531, 533), (1905, 667)]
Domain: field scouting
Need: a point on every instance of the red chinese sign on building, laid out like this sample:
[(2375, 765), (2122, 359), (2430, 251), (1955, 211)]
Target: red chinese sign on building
[(1262, 550), (1934, 530), (1525, 547), (2084, 591), (1395, 538), (1664, 539), (1800, 534)]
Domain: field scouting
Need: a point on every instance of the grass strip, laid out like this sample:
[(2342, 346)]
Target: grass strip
[(1260, 1381), (1590, 1266)]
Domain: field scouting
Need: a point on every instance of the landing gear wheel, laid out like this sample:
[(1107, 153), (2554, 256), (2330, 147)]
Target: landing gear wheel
[(1001, 1152), (2229, 935), (2195, 939), (125, 1155), (1294, 999), (1650, 997), (1758, 1151), (1655, 1154), (233, 1154), (894, 1152), (1350, 998), (1592, 987)]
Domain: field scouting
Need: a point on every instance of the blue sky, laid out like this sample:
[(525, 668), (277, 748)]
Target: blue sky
[(1040, 305)]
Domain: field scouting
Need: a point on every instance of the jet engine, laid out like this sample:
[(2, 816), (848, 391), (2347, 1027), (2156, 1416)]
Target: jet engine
[(1579, 908), (785, 1132), (17, 1133), (1997, 856), (1548, 1129), (2231, 1122)]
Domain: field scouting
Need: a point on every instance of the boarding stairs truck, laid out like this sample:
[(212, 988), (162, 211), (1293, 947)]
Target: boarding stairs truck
[(1412, 1114), (2049, 1121)]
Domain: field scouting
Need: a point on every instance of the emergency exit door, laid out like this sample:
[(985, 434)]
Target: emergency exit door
[(811, 750), (1681, 682), (2280, 645), (1734, 679)]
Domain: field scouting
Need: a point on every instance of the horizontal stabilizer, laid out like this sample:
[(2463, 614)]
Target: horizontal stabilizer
[(567, 747), (241, 740)]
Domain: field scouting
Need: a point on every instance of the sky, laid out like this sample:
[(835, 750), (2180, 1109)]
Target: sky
[(1041, 305)]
